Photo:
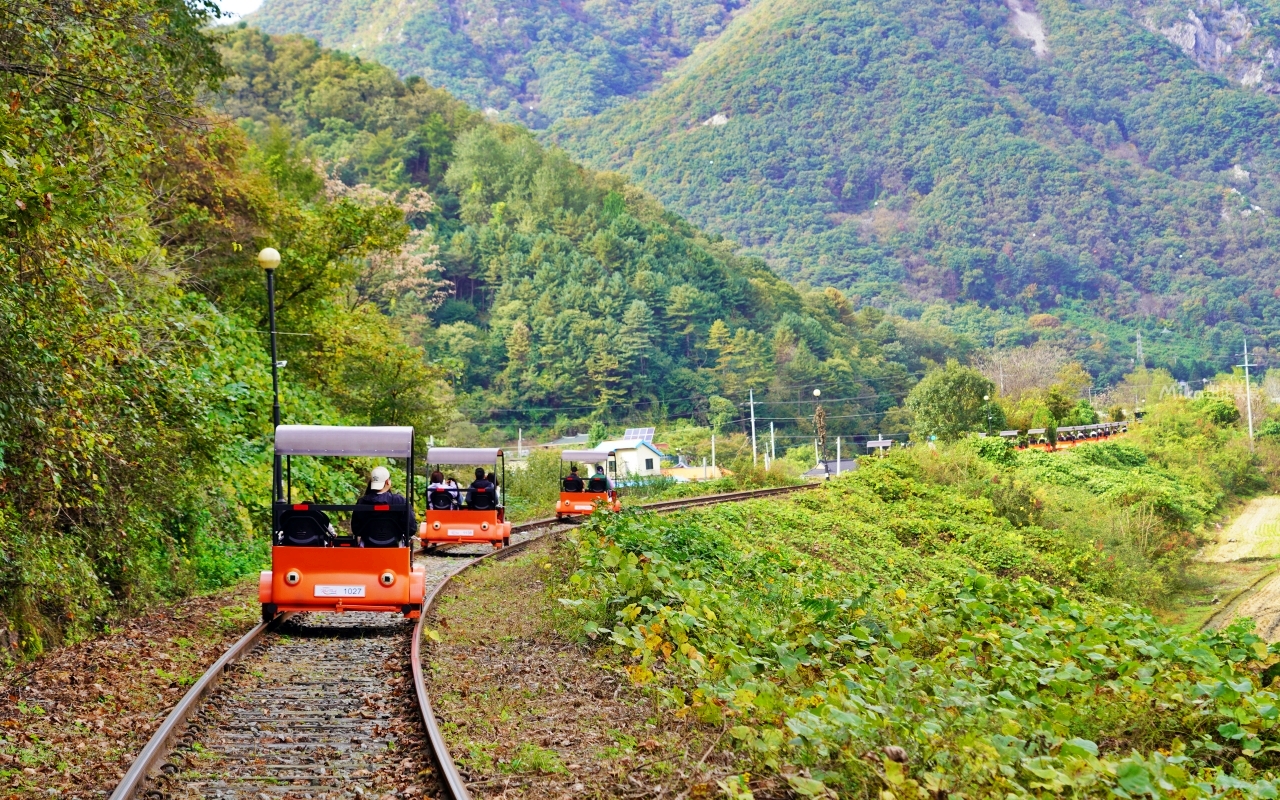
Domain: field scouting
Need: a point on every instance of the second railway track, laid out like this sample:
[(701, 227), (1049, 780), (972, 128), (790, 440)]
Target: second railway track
[(307, 707)]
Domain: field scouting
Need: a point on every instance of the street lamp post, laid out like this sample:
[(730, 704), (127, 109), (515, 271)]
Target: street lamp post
[(986, 401), (269, 259)]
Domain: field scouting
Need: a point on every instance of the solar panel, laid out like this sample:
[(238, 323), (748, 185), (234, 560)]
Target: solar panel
[(638, 435)]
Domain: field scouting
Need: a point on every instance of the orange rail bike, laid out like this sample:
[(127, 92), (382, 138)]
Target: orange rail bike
[(585, 495), (316, 567), (473, 514)]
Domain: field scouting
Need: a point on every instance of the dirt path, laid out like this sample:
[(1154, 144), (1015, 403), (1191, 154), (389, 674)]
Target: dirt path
[(1263, 604), (1253, 536)]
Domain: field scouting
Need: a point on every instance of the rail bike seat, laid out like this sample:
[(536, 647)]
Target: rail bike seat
[(440, 499), (381, 525), (598, 485), (573, 484), (481, 499), (304, 527)]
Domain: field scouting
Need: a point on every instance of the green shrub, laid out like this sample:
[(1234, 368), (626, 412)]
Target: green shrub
[(996, 449), (821, 642), (1217, 408)]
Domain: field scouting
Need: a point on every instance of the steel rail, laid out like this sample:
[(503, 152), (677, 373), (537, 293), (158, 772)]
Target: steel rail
[(152, 756)]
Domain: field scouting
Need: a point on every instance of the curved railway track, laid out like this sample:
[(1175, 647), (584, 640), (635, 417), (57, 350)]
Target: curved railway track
[(305, 707)]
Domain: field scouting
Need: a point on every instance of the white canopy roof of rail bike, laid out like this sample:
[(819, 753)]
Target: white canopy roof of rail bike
[(585, 456), (463, 456), (344, 440)]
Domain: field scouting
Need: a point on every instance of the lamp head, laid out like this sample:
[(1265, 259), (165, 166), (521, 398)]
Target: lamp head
[(269, 258), (817, 393), (986, 397)]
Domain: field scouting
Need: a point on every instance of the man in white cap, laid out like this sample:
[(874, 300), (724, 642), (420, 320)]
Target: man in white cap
[(379, 492)]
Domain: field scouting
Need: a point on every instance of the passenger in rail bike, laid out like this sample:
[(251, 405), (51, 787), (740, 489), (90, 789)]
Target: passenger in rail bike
[(379, 492), (452, 483), (574, 482), (441, 493), (497, 487), (482, 494), (600, 482)]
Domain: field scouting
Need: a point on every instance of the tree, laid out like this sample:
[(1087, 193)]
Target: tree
[(1059, 403), (635, 340), (948, 402), (721, 412), (605, 375), (1220, 409)]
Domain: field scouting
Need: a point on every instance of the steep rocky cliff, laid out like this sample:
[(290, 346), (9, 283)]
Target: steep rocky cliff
[(1239, 42)]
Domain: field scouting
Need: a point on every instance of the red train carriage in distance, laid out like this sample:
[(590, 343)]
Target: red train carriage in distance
[(589, 492), (367, 566), (469, 513)]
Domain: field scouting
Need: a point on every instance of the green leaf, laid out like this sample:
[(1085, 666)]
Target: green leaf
[(1079, 747)]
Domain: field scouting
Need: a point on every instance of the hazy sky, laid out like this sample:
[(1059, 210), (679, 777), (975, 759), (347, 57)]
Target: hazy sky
[(239, 7)]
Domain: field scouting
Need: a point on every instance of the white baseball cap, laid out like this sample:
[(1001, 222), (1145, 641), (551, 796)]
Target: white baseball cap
[(378, 478)]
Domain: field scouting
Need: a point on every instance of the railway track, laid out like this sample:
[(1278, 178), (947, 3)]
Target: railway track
[(307, 706)]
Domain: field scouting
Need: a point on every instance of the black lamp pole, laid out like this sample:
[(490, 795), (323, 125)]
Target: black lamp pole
[(270, 259)]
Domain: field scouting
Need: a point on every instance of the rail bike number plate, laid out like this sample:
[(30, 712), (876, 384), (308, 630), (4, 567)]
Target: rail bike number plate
[(583, 507), (331, 590), (461, 531)]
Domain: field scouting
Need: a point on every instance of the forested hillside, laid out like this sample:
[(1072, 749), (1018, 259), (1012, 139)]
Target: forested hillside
[(1112, 164), (531, 62), (135, 387), (925, 152), (438, 270), (573, 294)]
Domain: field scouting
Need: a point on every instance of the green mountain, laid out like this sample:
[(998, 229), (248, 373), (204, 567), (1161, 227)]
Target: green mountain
[(1112, 162), (571, 295), (924, 152), (532, 62)]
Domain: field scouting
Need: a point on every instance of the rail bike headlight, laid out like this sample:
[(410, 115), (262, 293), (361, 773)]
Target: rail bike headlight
[(387, 578), (293, 577), (484, 526), (435, 526)]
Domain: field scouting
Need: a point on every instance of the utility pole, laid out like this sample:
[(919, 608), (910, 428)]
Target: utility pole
[(773, 450), (1248, 395), (751, 398), (713, 450), (519, 442), (837, 456), (1141, 359), (819, 429)]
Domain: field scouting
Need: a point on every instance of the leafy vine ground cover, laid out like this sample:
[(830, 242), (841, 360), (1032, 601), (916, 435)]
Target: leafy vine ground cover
[(894, 631)]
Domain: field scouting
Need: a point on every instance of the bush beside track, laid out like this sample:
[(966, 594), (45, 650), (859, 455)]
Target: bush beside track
[(917, 628)]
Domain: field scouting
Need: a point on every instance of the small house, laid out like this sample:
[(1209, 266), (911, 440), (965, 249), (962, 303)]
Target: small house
[(634, 457)]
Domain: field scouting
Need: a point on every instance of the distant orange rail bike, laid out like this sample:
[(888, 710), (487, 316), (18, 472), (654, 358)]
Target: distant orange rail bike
[(472, 514), (587, 494), (317, 567)]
